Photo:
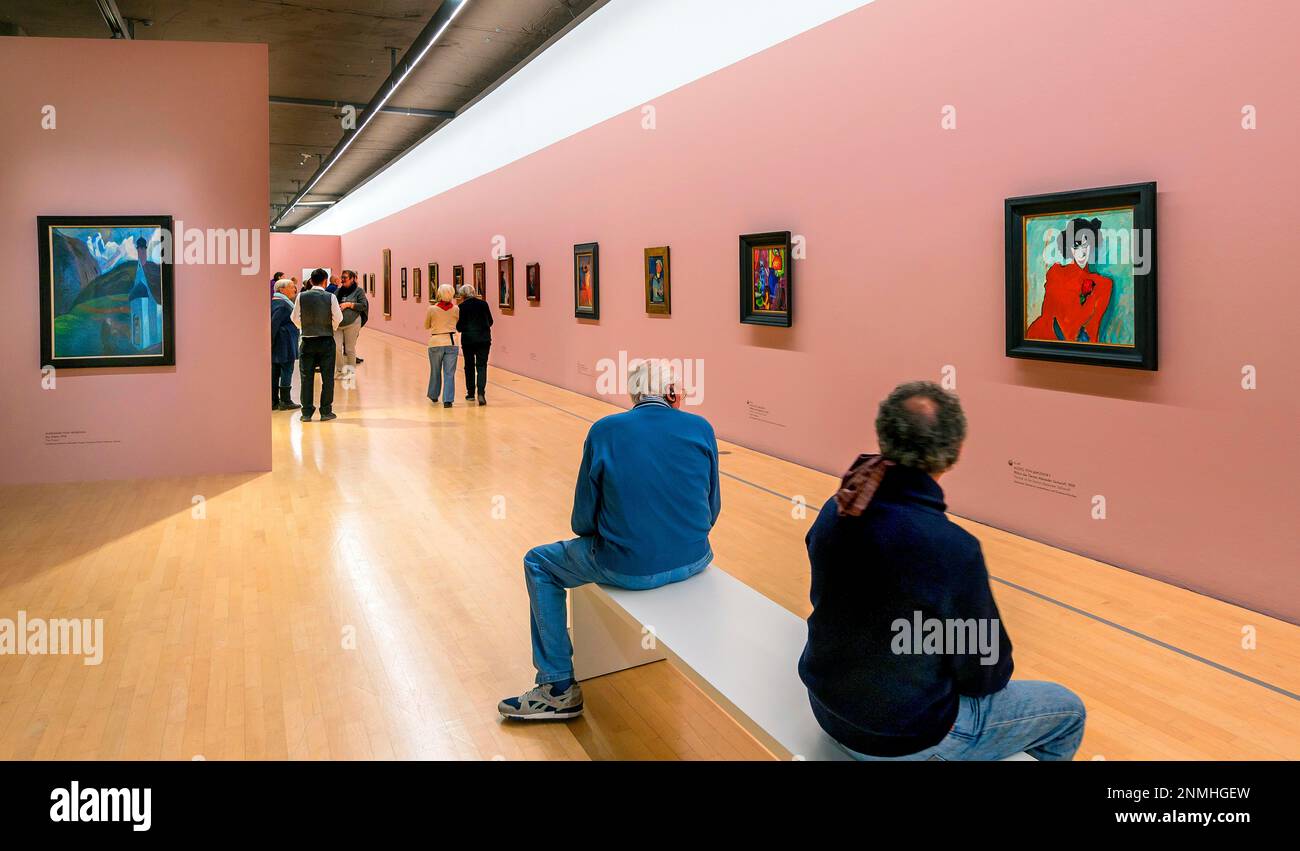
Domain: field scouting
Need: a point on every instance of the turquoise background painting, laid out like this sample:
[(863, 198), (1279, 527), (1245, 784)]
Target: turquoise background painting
[(1042, 251)]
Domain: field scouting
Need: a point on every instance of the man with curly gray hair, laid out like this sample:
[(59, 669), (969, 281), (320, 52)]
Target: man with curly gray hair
[(907, 657)]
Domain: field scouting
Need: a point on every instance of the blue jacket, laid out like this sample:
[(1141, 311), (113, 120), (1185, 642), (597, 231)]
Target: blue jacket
[(648, 489), (284, 334), (901, 556)]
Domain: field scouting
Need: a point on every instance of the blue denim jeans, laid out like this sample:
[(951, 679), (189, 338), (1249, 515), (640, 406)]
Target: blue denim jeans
[(442, 372), (548, 571), (1043, 719)]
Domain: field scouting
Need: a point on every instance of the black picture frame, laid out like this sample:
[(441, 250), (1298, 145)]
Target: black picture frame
[(45, 226), (403, 283), (533, 283), (581, 250), (749, 314), (506, 282), (1144, 352)]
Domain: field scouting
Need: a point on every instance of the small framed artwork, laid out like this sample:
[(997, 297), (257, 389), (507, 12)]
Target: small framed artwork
[(1081, 276), (388, 283), (433, 282), (106, 291), (415, 282), (766, 279), (586, 280), (480, 279), (403, 283), (658, 285), (533, 282), (506, 282), (458, 277)]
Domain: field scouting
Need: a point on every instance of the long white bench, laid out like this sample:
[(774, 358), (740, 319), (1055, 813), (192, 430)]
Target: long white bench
[(738, 646)]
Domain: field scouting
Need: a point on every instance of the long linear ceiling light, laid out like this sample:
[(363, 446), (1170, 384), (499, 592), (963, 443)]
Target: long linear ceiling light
[(428, 37)]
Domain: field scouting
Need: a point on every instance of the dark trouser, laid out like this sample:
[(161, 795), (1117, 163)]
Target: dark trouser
[(281, 375), (476, 357), (317, 353)]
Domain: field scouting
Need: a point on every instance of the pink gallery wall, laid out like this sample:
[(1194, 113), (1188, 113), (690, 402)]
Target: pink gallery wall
[(141, 127), (836, 135), (293, 252)]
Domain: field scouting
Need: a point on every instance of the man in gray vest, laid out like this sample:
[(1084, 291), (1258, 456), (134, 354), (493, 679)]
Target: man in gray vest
[(317, 313)]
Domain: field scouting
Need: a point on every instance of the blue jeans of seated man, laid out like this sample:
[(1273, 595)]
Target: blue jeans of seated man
[(548, 571), (1042, 719), (442, 372)]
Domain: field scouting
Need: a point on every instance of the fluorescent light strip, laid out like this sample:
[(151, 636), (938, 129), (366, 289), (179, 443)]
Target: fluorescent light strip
[(598, 70), (371, 113)]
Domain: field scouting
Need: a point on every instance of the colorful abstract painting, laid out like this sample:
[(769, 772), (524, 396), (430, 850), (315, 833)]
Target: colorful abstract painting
[(586, 280), (106, 291), (766, 279)]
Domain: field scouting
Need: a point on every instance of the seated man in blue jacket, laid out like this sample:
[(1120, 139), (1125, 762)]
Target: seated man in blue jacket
[(646, 498), (907, 657)]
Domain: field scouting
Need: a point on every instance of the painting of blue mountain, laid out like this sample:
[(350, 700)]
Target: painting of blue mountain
[(106, 294)]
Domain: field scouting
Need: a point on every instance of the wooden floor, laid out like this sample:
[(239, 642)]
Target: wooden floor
[(365, 600)]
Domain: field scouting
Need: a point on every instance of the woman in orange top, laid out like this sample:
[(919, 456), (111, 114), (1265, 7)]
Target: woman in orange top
[(1074, 298)]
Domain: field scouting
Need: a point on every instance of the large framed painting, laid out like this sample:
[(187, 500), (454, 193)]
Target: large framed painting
[(506, 282), (586, 280), (658, 284), (480, 279), (433, 282), (388, 283), (415, 282), (1081, 276), (403, 283), (458, 277), (106, 291), (533, 282), (766, 279)]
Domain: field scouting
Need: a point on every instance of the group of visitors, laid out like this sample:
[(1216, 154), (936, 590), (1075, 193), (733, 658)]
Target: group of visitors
[(882, 551), (318, 329), (465, 313)]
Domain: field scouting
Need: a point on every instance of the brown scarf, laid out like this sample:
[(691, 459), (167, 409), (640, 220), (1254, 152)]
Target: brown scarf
[(859, 484)]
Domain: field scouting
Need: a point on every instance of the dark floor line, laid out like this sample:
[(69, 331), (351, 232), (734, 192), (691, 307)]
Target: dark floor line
[(1098, 618)]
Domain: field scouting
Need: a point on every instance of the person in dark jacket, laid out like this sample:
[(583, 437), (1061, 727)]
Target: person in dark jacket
[(475, 327), (284, 345), (907, 657)]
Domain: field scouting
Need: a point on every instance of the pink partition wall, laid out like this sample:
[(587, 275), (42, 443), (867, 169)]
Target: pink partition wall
[(140, 128), (293, 252), (836, 135)]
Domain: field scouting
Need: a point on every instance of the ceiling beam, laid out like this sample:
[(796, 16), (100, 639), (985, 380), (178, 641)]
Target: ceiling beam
[(117, 24), (360, 107), (429, 35)]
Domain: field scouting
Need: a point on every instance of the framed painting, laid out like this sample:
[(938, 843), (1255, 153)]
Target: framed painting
[(458, 277), (506, 282), (586, 280), (1081, 276), (415, 282), (533, 282), (658, 285), (480, 279), (433, 282), (766, 279), (403, 283), (106, 291), (388, 283)]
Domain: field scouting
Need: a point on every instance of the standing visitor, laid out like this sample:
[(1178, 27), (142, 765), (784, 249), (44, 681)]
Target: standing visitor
[(352, 301), (317, 313), (284, 344), (475, 327), (441, 321)]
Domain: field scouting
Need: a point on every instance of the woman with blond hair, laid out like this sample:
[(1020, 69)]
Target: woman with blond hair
[(441, 320)]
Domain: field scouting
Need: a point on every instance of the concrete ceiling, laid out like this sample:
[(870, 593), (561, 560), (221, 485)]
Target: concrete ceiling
[(332, 50)]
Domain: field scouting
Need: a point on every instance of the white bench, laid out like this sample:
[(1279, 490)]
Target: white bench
[(739, 647)]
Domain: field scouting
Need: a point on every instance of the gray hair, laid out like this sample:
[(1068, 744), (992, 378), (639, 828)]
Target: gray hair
[(446, 292), (650, 378), (284, 283), (468, 291), (921, 425)]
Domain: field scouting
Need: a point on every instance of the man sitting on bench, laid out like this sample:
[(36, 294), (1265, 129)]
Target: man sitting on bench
[(906, 655), (646, 498)]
